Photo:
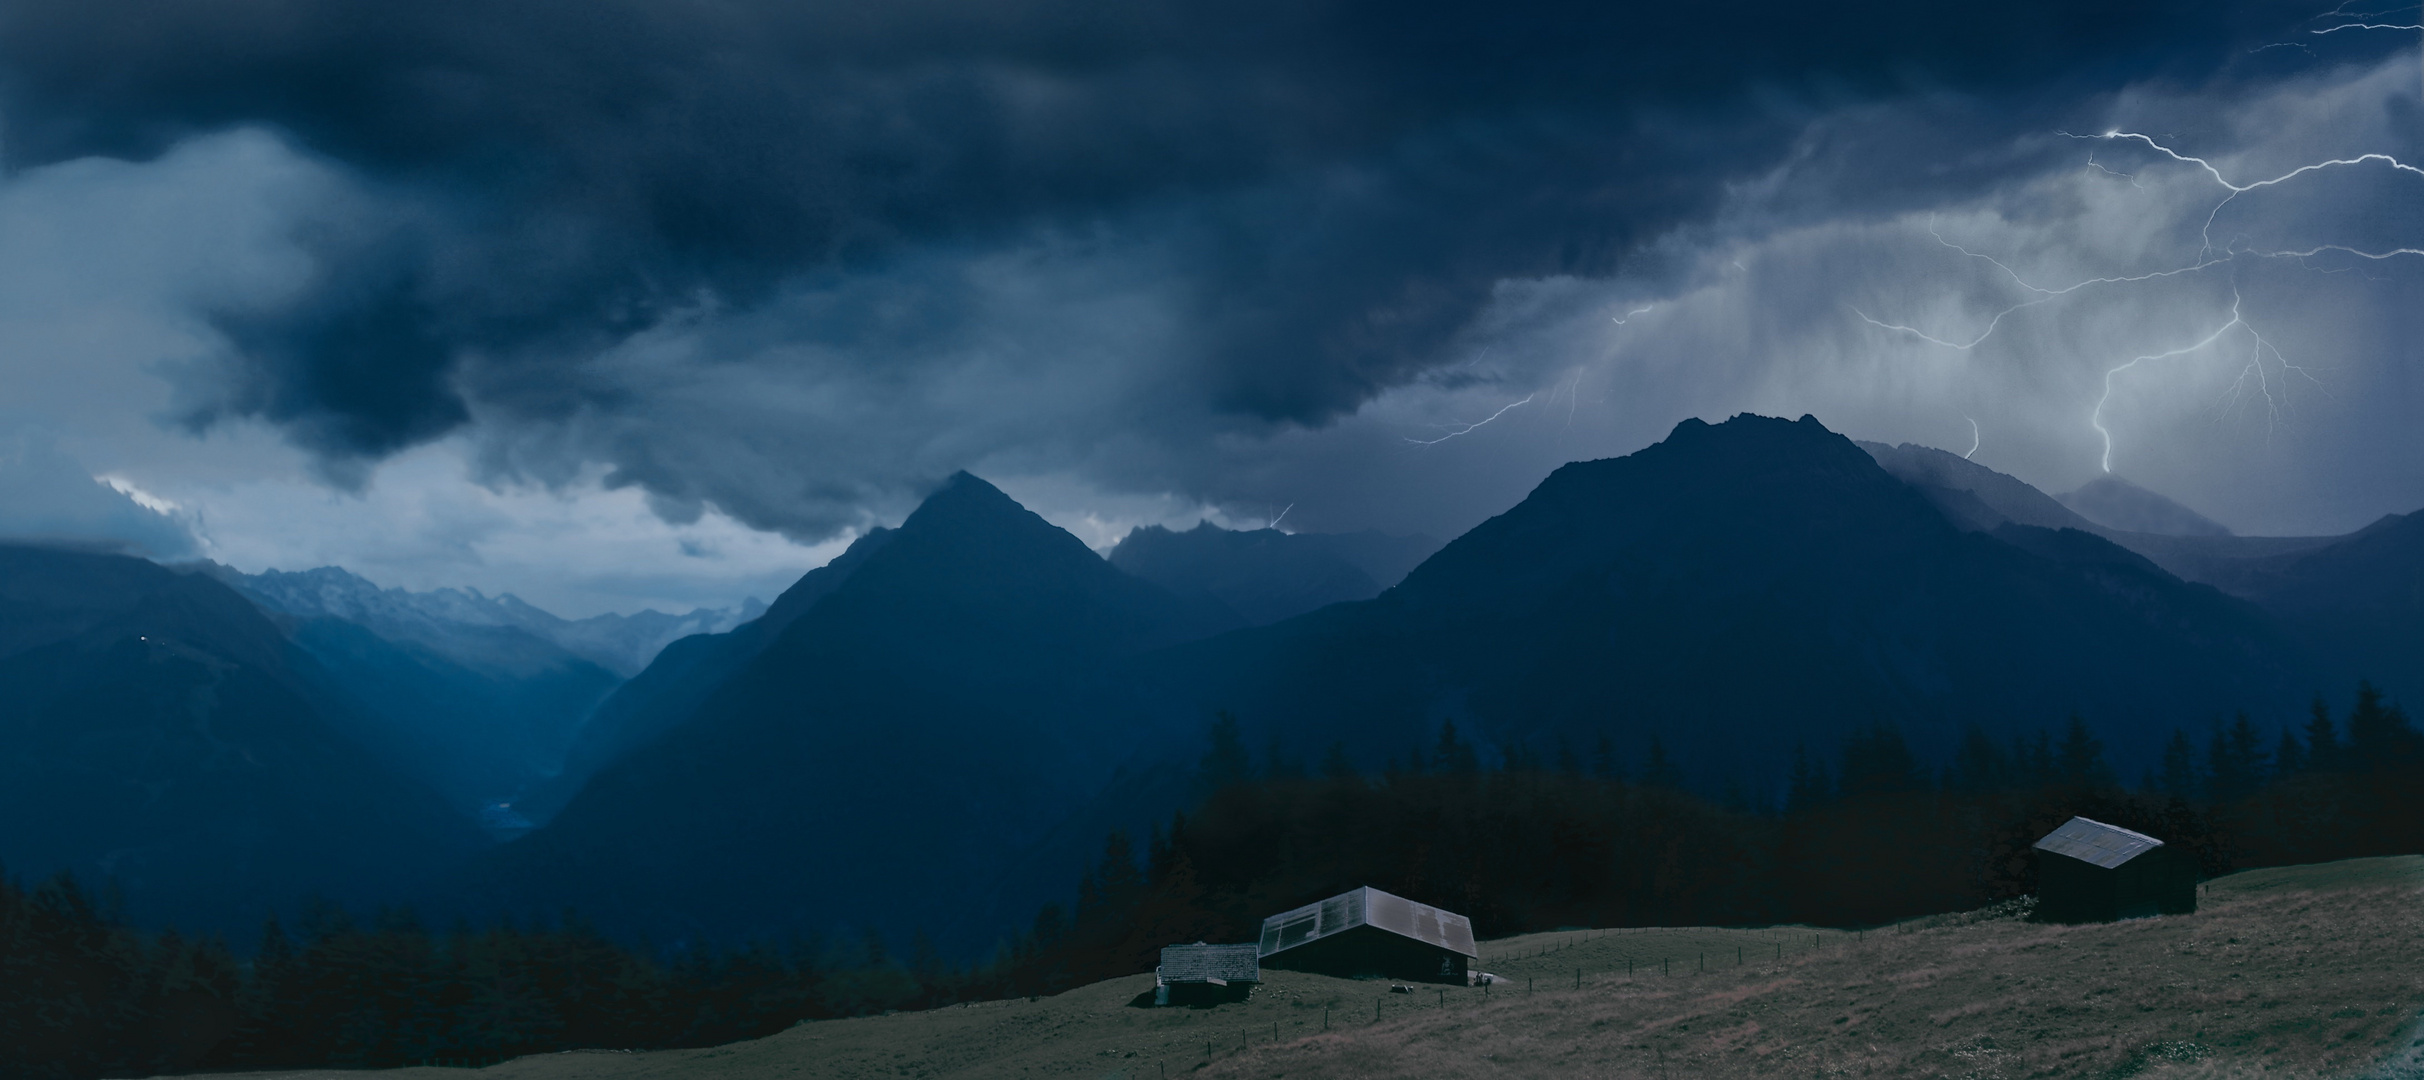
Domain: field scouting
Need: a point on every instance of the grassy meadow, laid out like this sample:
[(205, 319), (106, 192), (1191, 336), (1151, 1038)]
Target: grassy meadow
[(2289, 972)]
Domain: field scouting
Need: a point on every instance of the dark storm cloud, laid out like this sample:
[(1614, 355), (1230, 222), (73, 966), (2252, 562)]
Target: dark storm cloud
[(1331, 188)]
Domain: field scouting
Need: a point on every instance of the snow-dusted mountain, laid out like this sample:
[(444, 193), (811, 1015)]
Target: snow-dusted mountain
[(453, 621)]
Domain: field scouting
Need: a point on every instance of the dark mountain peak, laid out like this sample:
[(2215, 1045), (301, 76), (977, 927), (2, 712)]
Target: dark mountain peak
[(1746, 467), (1747, 446), (2118, 504), (1740, 499), (970, 524)]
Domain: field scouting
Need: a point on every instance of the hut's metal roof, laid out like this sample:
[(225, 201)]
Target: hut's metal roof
[(2096, 843), (1204, 963), (1369, 907)]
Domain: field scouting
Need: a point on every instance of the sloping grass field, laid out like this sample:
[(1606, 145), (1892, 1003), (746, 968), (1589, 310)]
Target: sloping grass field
[(2290, 972)]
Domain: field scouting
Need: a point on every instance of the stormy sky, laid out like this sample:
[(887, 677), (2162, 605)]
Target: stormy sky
[(636, 303)]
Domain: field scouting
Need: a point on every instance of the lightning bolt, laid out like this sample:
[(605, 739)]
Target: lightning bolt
[(1975, 439), (2131, 177), (1274, 522), (2256, 378), (1467, 429), (2237, 190), (2359, 26), (2237, 321), (1633, 314)]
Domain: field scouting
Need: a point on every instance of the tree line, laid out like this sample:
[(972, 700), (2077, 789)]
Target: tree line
[(1530, 841), (1572, 838)]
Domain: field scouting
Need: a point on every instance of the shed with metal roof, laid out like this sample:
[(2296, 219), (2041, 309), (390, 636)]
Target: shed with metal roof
[(2088, 871), (1370, 932), (1202, 974)]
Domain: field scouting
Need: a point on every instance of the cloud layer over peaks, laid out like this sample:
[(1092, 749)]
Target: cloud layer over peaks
[(794, 263)]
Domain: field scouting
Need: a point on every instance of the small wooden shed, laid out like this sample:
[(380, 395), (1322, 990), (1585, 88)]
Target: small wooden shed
[(2088, 871), (1370, 932), (1201, 974)]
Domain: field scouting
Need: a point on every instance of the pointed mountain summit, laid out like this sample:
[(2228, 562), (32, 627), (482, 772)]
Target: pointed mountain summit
[(1735, 590), (2118, 504), (887, 759)]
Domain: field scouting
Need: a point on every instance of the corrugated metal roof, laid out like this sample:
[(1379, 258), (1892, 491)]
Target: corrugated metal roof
[(2094, 842), (1368, 906), (1202, 963)]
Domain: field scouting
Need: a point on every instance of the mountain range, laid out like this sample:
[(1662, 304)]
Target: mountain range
[(461, 623), (933, 732), (956, 710)]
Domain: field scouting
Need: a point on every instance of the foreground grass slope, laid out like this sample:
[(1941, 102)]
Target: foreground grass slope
[(2296, 971)]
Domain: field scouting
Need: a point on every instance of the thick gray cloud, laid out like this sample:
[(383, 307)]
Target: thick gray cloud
[(792, 264)]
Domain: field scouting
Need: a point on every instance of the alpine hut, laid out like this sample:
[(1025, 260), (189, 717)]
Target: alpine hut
[(1370, 932), (2088, 871), (1201, 974)]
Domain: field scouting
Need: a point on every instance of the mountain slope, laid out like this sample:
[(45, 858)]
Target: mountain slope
[(680, 679), (2358, 600), (1961, 488), (887, 760), (453, 688), (1976, 497), (2118, 504), (479, 736), (157, 729), (1735, 590)]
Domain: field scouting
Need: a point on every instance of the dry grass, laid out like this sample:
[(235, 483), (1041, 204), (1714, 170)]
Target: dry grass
[(2302, 971)]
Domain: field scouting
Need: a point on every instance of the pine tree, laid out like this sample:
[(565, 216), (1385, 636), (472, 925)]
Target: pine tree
[(1656, 770), (2323, 751), (1979, 765), (1455, 757), (2234, 762), (1335, 765), (1807, 788), (2033, 760), (1878, 762), (1276, 765), (1603, 760), (2379, 735), (2288, 759), (1227, 765), (1568, 764), (2079, 761), (2179, 776)]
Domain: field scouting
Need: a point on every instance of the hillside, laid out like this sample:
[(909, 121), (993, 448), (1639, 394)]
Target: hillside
[(2302, 971), (680, 679), (2118, 504), (158, 730)]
